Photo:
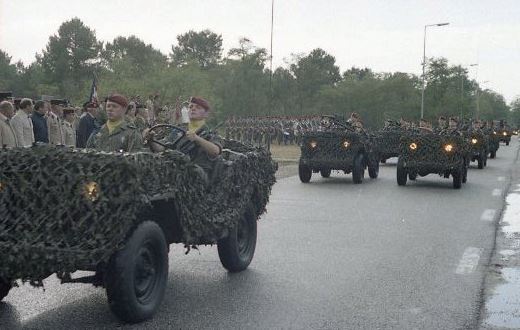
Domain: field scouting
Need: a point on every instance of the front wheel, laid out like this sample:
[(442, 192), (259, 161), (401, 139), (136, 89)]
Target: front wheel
[(507, 143), (457, 179), (373, 169), (325, 173), (305, 173), (480, 161), (236, 251), (402, 175), (493, 154), (137, 275), (358, 171), (5, 287)]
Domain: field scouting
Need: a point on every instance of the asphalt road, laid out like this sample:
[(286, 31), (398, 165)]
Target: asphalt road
[(330, 255)]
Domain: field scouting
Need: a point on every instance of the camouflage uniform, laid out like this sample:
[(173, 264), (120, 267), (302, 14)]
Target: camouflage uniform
[(126, 137)]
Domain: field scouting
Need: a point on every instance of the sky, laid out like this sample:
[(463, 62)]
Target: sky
[(386, 35)]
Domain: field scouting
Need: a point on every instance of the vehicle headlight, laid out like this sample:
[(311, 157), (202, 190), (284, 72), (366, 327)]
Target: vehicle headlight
[(345, 144), (313, 144), (413, 146), (448, 147), (505, 134), (474, 141), (91, 191), (494, 132)]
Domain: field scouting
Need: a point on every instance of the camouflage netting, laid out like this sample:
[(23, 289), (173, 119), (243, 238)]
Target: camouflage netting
[(482, 141), (430, 149), (387, 142), (48, 225), (329, 146)]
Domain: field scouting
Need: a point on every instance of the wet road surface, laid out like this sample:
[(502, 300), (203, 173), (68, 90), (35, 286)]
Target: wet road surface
[(330, 255)]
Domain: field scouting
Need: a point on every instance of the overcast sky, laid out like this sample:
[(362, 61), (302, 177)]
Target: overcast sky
[(384, 35)]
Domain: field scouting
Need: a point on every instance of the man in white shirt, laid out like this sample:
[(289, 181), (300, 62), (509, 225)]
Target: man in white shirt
[(54, 123), (22, 123), (7, 136)]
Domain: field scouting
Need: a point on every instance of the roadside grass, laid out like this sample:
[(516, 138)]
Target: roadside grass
[(288, 152)]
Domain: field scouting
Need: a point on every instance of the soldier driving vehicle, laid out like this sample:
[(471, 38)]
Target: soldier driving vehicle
[(425, 153), (340, 146), (115, 213)]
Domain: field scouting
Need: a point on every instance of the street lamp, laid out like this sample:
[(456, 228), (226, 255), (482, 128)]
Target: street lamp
[(478, 97), (424, 63), (462, 88)]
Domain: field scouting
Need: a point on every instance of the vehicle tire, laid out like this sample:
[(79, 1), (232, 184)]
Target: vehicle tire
[(480, 161), (464, 174), (412, 177), (5, 287), (457, 178), (373, 169), (493, 154), (402, 175), (237, 250), (383, 161), (358, 171), (305, 173), (137, 275), (507, 143), (325, 173)]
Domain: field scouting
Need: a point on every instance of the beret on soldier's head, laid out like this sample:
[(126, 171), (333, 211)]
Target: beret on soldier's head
[(119, 99), (200, 101)]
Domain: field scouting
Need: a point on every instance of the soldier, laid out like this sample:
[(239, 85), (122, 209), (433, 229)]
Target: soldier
[(355, 121), (208, 145), (69, 131), (22, 124), (424, 127), (442, 124), (116, 134), (54, 122), (453, 127)]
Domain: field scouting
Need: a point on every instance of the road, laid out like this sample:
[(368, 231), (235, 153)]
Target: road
[(330, 255)]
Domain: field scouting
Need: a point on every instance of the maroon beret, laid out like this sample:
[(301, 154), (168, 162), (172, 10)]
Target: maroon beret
[(119, 99), (200, 101)]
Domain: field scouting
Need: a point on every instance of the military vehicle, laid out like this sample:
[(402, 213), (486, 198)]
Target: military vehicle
[(388, 141), (478, 147), (493, 143), (505, 135), (339, 148), (423, 154), (115, 214)]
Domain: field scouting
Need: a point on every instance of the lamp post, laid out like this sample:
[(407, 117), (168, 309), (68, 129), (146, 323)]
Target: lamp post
[(478, 97), (424, 63), (462, 88)]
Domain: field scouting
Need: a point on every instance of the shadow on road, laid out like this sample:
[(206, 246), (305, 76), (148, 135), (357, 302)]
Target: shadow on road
[(9, 317), (191, 301)]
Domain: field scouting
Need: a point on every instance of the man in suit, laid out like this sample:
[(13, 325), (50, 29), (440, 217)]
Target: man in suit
[(7, 136), (39, 122), (87, 124), (22, 124)]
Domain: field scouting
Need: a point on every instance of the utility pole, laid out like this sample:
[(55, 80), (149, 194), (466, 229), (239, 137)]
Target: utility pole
[(424, 64)]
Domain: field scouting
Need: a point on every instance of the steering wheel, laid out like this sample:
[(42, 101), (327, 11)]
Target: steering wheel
[(172, 130)]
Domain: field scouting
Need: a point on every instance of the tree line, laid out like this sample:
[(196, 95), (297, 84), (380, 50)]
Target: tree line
[(240, 83)]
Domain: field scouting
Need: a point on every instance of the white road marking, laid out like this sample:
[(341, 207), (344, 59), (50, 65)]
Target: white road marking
[(488, 215), (497, 192), (501, 178), (469, 261)]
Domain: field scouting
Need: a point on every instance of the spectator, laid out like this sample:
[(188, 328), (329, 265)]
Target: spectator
[(39, 121), (54, 123), (22, 123), (87, 124), (7, 135), (69, 131)]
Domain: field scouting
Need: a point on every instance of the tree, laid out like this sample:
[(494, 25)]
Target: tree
[(204, 47), (8, 72), (141, 58), (514, 115), (313, 72), (71, 55)]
